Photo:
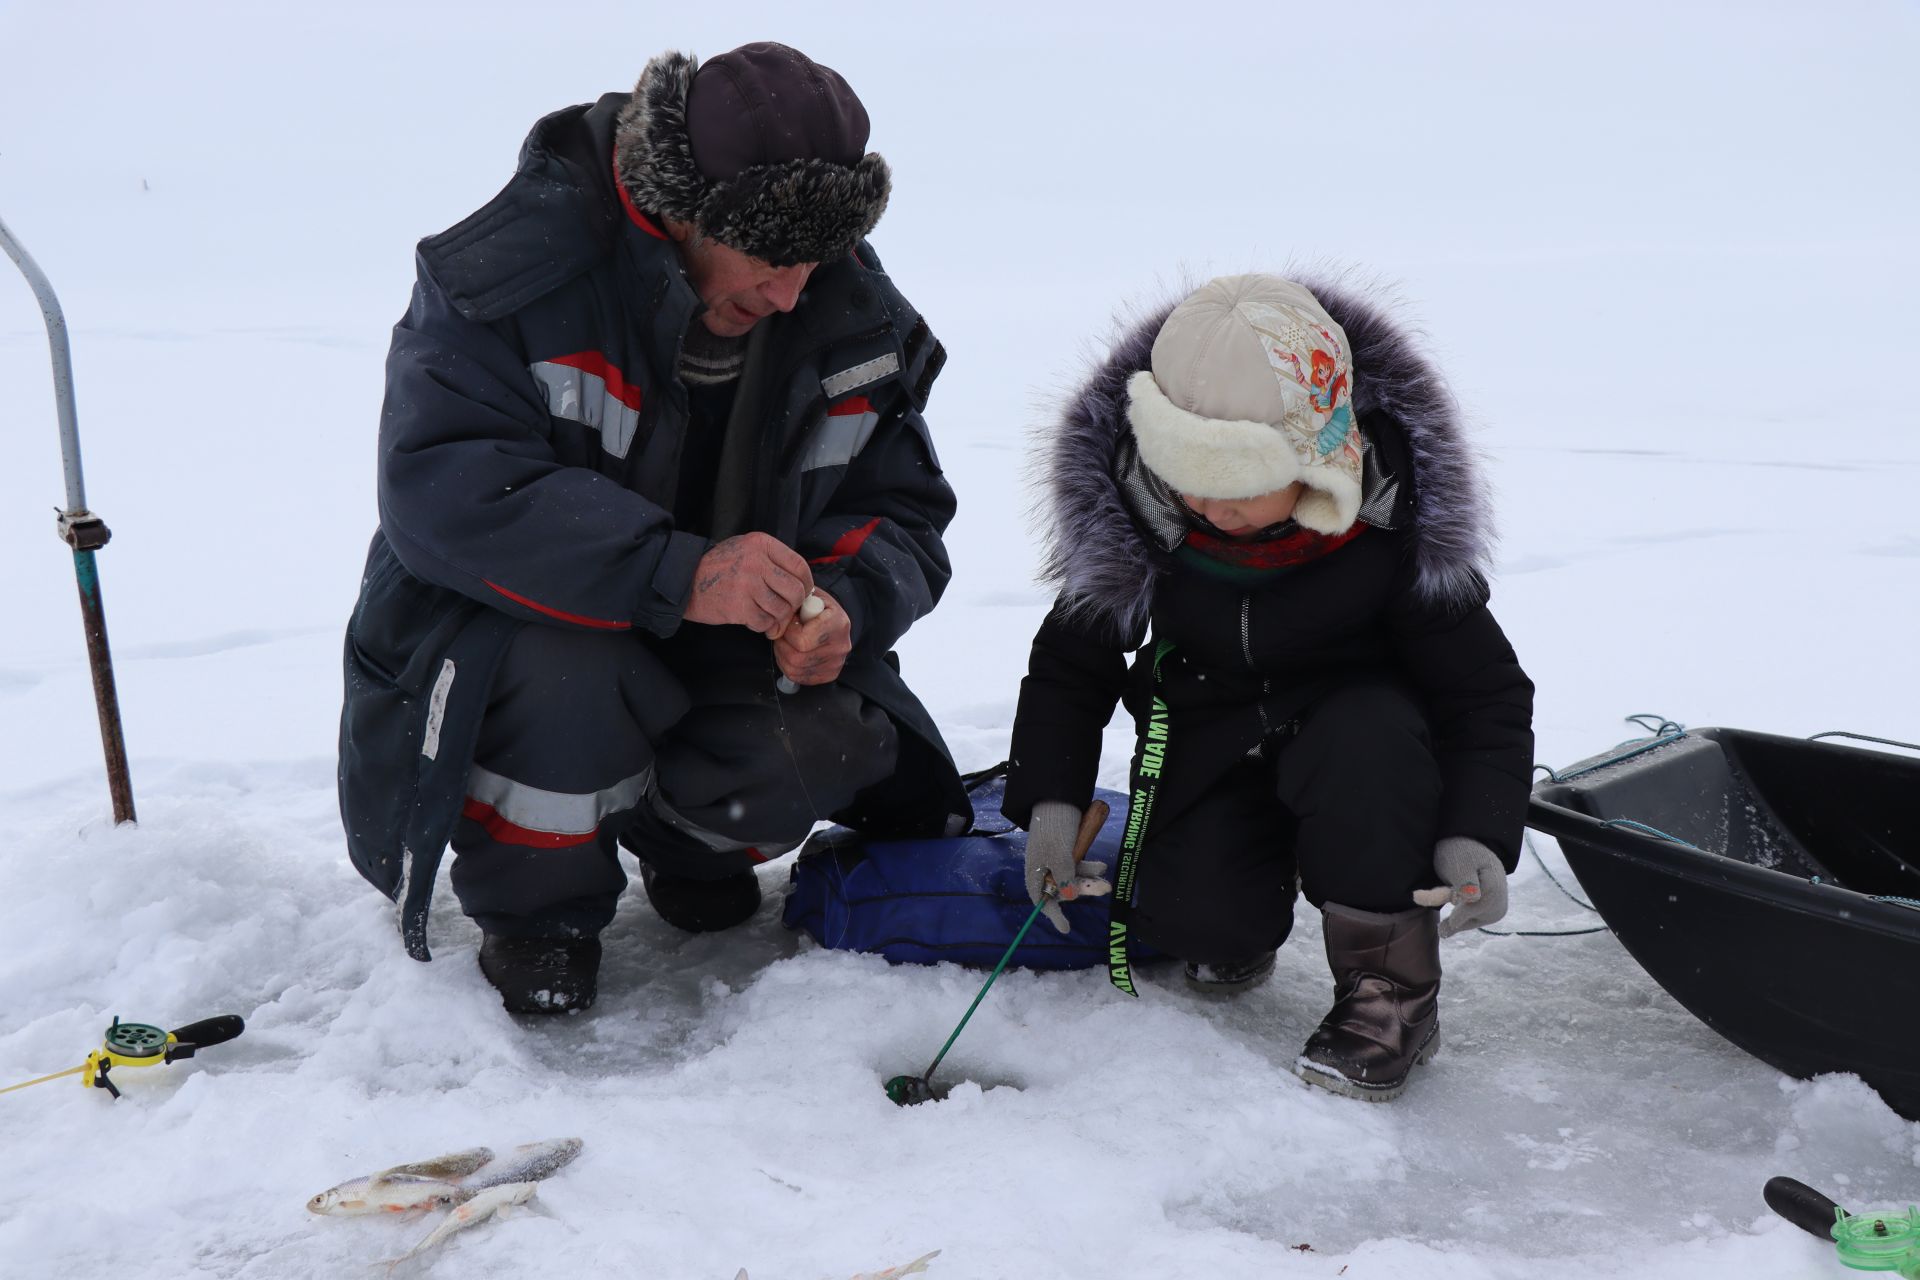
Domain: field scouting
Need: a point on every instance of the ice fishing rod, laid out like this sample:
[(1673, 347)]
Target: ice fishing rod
[(1864, 1241), (908, 1091), (140, 1044), (82, 530)]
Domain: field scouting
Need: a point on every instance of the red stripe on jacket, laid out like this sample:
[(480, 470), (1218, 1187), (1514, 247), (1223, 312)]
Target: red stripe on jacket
[(506, 832), (599, 366), (859, 404), (640, 219), (848, 543), (575, 618)]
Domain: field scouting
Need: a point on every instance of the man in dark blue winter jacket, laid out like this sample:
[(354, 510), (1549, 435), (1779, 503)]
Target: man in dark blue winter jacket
[(656, 501)]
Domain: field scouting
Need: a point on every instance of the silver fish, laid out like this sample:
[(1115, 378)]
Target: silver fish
[(914, 1268), (373, 1194), (424, 1184), (486, 1204), (531, 1162)]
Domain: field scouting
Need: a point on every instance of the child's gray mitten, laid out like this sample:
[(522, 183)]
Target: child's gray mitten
[(1476, 885), (1052, 833)]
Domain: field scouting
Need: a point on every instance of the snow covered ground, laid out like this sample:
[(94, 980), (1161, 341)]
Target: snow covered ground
[(1665, 251)]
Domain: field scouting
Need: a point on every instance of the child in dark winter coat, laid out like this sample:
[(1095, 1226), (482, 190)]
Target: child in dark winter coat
[(1265, 496)]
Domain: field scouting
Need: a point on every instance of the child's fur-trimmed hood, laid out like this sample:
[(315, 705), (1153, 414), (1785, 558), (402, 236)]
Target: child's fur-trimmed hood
[(1104, 567)]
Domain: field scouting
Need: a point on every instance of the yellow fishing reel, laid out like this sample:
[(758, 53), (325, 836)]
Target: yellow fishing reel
[(140, 1044)]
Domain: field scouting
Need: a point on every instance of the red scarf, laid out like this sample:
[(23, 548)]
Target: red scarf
[(1283, 551)]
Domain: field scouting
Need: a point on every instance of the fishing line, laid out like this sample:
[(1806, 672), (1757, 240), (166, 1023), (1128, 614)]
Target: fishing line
[(781, 688), (70, 1071)]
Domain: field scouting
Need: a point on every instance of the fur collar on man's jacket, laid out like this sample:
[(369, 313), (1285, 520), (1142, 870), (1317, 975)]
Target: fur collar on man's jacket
[(1105, 569)]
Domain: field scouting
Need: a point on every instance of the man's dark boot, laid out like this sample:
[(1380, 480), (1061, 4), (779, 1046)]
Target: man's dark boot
[(1385, 1019), (702, 906), (542, 975), (1232, 978)]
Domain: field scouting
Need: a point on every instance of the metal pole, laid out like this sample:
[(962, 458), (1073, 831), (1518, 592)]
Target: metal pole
[(82, 530)]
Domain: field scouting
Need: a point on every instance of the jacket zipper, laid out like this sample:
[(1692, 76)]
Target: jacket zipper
[(1246, 648)]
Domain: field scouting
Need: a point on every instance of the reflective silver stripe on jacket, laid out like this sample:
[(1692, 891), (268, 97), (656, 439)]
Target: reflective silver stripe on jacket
[(437, 710), (557, 812), (839, 438), (838, 384), (583, 397), (713, 839)]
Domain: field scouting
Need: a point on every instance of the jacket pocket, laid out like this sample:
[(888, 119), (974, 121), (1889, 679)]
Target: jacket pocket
[(402, 626)]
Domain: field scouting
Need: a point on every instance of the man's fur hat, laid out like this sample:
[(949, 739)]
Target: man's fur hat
[(762, 148)]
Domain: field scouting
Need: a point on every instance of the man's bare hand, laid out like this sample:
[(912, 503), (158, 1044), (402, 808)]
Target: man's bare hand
[(813, 650), (754, 581)]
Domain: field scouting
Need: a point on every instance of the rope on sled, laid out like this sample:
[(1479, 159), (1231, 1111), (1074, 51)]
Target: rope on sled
[(1630, 825), (1542, 933), (1661, 732), (1863, 737), (1526, 838), (1872, 897)]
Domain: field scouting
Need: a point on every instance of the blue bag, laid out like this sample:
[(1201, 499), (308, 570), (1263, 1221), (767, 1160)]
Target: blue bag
[(960, 898)]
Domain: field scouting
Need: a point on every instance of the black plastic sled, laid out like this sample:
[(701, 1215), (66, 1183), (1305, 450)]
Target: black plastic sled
[(1789, 919)]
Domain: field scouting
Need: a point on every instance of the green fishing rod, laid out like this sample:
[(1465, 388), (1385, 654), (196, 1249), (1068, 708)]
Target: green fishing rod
[(908, 1091)]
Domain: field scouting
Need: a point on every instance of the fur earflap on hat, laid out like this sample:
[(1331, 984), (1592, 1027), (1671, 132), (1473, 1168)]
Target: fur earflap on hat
[(764, 154), (1250, 390)]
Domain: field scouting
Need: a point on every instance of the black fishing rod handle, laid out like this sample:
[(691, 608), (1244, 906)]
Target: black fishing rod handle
[(210, 1031), (1801, 1205)]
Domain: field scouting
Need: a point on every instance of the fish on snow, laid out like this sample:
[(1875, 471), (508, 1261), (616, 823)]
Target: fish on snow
[(500, 1200), (444, 1180), (529, 1162), (405, 1188), (914, 1268)]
